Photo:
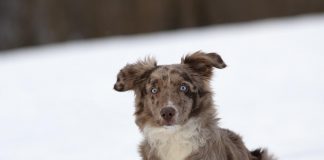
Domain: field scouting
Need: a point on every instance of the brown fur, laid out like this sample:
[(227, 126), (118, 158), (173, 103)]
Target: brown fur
[(193, 132)]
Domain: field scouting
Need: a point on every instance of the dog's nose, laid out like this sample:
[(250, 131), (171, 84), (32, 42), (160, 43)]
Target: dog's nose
[(167, 113)]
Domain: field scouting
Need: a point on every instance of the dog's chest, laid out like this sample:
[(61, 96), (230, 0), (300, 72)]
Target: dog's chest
[(174, 143)]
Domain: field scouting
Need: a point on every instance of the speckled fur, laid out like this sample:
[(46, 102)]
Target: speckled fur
[(194, 133)]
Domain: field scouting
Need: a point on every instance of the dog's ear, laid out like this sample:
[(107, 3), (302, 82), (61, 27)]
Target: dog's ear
[(203, 63), (133, 74)]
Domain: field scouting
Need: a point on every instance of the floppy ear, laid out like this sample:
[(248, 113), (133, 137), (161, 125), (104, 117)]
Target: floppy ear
[(203, 63), (133, 74)]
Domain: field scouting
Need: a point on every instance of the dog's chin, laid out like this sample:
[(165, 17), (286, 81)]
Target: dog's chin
[(173, 122), (167, 123)]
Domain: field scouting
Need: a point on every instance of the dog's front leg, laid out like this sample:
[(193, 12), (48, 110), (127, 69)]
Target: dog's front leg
[(206, 153), (203, 157), (146, 152), (198, 157)]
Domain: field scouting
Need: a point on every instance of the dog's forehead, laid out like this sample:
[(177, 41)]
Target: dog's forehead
[(170, 72)]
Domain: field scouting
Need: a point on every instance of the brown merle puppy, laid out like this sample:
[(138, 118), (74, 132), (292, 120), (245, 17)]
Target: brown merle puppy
[(176, 114)]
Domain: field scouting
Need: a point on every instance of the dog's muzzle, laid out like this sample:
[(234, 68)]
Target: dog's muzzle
[(167, 113)]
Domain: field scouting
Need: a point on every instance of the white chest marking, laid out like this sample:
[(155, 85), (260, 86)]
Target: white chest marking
[(175, 142)]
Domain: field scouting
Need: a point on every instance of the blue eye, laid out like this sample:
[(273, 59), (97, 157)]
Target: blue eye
[(183, 88), (154, 90)]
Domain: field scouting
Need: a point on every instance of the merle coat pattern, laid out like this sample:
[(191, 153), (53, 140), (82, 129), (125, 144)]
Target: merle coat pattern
[(175, 112)]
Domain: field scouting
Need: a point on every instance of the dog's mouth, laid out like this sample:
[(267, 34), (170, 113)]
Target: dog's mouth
[(168, 123), (163, 122)]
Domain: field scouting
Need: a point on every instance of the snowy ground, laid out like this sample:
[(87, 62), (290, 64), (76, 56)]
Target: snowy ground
[(57, 101)]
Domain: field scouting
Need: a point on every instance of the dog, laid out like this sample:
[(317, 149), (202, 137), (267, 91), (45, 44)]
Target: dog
[(175, 111)]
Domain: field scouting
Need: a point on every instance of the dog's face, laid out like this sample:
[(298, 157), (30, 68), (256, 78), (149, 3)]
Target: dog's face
[(168, 94)]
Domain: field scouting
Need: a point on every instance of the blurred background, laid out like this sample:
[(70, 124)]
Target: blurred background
[(36, 22), (59, 60)]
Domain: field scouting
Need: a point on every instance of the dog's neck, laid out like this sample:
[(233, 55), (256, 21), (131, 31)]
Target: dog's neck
[(175, 142)]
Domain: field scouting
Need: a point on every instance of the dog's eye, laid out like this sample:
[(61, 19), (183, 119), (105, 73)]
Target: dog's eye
[(154, 90), (183, 88)]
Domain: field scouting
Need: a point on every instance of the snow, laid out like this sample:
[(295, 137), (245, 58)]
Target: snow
[(57, 101)]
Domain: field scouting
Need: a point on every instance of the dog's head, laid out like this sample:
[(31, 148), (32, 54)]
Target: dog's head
[(169, 94)]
